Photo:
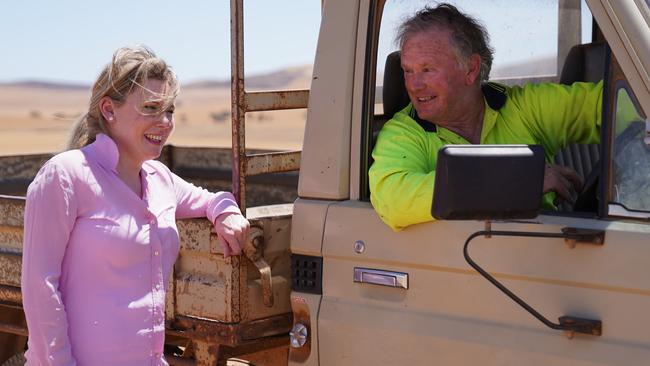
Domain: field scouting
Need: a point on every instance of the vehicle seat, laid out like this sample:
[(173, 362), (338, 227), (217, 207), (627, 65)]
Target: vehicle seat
[(394, 93), (585, 62)]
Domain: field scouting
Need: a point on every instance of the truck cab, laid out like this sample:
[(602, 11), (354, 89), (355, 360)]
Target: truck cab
[(365, 295)]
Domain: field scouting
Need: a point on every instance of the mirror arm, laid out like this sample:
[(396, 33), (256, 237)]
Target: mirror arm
[(568, 324)]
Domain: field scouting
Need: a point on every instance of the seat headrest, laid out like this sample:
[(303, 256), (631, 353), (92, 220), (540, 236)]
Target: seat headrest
[(394, 94), (584, 62)]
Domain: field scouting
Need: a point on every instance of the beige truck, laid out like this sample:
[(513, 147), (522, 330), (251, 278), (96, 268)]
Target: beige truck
[(327, 277)]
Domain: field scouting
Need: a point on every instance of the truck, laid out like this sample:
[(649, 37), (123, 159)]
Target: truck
[(325, 282)]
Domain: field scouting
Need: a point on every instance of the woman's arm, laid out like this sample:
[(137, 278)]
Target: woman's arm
[(220, 208), (50, 214)]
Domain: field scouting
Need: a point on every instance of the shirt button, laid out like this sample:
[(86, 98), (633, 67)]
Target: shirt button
[(156, 253), (157, 355), (157, 287)]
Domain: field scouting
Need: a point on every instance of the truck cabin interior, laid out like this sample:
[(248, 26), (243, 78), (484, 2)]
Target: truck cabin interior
[(585, 62)]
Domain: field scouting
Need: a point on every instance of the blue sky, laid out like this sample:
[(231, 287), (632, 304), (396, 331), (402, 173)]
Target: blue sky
[(70, 40)]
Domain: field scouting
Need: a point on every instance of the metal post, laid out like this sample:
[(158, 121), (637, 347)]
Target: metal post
[(238, 108)]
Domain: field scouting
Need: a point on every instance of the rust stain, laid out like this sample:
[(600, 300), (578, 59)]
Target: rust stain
[(10, 294), (10, 267), (301, 314), (273, 162), (12, 210)]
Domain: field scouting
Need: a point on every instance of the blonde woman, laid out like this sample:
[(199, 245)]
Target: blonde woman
[(100, 225)]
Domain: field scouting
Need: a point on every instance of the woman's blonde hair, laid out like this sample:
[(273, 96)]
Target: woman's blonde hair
[(130, 67)]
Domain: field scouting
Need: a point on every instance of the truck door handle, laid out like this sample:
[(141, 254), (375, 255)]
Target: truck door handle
[(381, 277)]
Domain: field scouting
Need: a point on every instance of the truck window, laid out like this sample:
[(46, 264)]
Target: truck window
[(525, 39), (630, 186)]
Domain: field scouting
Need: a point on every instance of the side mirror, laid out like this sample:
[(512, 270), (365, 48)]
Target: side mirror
[(488, 182)]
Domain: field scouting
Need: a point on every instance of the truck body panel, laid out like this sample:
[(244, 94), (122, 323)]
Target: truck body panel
[(449, 314)]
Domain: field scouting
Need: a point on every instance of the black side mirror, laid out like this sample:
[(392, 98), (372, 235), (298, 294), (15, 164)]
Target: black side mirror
[(488, 182)]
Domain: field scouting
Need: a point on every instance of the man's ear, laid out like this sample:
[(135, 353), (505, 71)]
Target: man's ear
[(107, 108), (473, 69)]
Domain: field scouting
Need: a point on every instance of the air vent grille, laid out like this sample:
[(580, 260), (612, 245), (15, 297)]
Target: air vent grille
[(307, 274)]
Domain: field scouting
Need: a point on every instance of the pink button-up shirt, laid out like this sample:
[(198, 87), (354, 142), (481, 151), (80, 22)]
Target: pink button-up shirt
[(97, 258)]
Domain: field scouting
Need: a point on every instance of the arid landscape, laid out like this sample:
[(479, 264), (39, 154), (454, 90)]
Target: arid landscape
[(35, 117)]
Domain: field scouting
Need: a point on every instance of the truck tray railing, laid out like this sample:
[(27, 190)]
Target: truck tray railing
[(242, 101)]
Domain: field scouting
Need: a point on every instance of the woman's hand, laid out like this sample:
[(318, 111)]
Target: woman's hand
[(232, 229)]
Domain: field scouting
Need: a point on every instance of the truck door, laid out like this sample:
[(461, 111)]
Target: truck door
[(409, 297)]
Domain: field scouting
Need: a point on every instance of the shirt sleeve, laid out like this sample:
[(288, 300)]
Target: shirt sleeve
[(50, 215), (193, 201), (559, 115), (402, 175)]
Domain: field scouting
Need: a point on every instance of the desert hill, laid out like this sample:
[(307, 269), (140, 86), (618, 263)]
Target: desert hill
[(35, 116)]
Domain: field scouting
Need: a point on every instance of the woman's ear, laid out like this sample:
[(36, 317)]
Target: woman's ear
[(106, 107)]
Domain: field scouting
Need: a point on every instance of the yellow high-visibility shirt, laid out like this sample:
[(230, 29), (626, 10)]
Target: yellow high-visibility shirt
[(405, 154)]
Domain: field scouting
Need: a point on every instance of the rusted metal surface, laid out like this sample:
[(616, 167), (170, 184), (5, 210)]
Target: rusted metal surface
[(179, 361), (11, 211), (272, 162), (11, 238), (301, 315), (22, 166), (230, 334), (266, 327), (207, 285), (210, 168), (12, 320), (10, 265), (10, 294), (242, 102), (254, 250), (204, 330), (238, 99), (206, 354), (276, 100), (16, 172), (277, 235), (13, 329), (270, 213)]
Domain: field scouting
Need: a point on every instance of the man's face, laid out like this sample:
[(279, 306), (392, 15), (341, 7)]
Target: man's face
[(435, 79)]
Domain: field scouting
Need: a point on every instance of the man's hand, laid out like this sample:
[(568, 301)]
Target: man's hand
[(561, 180), (232, 229)]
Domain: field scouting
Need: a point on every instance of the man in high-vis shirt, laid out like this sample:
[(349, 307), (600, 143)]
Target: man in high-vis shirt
[(446, 61)]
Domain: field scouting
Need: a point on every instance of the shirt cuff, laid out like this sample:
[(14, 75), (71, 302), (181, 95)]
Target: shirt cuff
[(222, 202)]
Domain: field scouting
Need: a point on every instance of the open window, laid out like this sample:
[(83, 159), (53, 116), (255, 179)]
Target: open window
[(530, 44)]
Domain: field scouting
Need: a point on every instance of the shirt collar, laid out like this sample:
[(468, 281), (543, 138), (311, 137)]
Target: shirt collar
[(495, 96), (104, 152)]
